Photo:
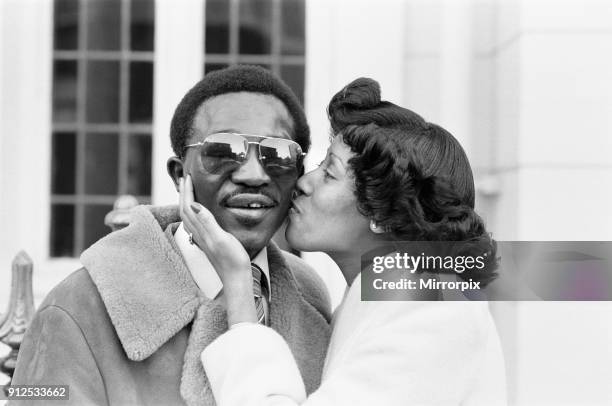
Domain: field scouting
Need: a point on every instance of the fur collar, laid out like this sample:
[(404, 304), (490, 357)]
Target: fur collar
[(150, 296)]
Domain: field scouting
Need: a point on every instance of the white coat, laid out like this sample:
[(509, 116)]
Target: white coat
[(381, 353)]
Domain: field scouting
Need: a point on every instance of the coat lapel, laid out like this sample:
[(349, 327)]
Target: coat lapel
[(293, 317), (147, 290), (210, 322)]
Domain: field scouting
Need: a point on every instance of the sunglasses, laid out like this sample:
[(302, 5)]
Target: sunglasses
[(224, 152)]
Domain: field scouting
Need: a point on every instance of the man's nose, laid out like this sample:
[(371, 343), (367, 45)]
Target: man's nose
[(251, 172)]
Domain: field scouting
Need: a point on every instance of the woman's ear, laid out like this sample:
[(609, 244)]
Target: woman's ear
[(175, 170), (376, 229)]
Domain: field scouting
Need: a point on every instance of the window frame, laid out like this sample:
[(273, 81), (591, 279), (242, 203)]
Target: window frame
[(275, 59), (81, 127)]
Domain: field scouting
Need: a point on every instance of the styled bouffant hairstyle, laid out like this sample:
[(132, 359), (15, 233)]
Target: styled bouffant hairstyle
[(412, 177), (237, 78)]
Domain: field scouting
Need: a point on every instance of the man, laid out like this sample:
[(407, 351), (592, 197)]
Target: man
[(129, 327)]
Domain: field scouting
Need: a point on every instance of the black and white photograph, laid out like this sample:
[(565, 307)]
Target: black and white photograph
[(306, 202)]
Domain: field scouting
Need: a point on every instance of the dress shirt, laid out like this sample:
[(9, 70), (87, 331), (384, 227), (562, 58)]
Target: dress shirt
[(202, 271)]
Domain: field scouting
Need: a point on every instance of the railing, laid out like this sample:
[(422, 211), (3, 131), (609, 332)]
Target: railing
[(14, 323)]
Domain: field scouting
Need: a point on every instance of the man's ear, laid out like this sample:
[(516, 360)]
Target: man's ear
[(175, 170)]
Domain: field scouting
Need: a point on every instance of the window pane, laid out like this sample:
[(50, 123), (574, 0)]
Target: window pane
[(139, 165), (93, 223), (255, 27), (102, 92), (64, 161), (101, 164), (103, 24), (64, 91), (62, 230), (293, 32), (65, 28), (141, 29), (293, 75), (217, 26), (141, 92)]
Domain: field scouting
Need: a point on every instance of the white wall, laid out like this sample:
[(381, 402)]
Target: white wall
[(178, 66), (552, 69), (25, 120)]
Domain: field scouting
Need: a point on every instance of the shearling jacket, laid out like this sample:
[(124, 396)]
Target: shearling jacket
[(129, 327)]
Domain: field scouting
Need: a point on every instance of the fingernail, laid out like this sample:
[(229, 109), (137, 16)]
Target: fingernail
[(195, 207)]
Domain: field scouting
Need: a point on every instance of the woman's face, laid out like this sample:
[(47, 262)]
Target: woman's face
[(324, 216)]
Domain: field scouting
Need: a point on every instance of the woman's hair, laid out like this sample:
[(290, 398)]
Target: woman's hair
[(411, 177)]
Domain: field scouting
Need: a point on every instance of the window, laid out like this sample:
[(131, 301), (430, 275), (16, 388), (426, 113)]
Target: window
[(102, 115), (269, 33)]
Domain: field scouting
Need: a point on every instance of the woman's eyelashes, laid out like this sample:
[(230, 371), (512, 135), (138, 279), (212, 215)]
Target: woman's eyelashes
[(324, 165)]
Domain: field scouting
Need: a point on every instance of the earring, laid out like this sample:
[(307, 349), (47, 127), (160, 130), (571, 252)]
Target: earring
[(375, 228)]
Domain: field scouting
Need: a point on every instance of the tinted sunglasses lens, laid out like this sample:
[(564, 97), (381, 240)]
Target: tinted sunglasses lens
[(280, 154), (222, 152)]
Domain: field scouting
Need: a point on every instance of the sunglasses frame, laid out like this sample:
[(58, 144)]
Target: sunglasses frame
[(261, 138)]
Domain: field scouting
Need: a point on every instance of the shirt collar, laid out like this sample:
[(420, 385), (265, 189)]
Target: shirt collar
[(202, 271)]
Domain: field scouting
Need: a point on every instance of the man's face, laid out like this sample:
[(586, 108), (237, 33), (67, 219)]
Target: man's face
[(235, 197)]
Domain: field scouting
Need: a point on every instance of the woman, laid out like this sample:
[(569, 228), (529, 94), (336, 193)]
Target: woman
[(388, 175)]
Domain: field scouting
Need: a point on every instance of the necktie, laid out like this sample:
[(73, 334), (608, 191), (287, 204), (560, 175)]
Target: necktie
[(259, 291)]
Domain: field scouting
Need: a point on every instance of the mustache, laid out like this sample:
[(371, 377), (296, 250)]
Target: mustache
[(250, 190)]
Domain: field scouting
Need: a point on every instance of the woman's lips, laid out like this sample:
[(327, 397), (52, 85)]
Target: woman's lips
[(295, 208)]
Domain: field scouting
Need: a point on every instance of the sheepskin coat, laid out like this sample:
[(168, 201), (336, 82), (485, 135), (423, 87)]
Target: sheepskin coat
[(129, 327)]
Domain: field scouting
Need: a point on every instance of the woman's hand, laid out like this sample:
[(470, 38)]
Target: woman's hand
[(225, 253)]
